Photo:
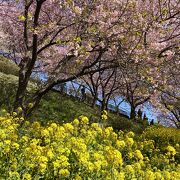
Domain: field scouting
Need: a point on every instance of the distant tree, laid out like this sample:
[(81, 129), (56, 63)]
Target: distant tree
[(170, 112), (167, 99), (102, 84), (132, 88)]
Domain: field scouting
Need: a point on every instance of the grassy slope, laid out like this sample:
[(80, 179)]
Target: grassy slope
[(8, 67), (64, 109), (61, 108)]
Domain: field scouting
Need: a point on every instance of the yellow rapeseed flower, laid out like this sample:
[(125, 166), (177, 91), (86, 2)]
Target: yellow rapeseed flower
[(120, 144), (44, 133), (129, 169), (97, 165), (121, 176), (84, 119), (50, 154), (130, 134), (54, 126), (90, 167), (14, 175), (69, 127), (42, 167), (36, 125), (171, 150), (64, 172), (129, 141), (104, 117), (137, 166), (138, 155), (7, 142), (166, 175), (19, 109), (15, 145), (14, 114), (2, 134), (76, 122), (27, 176), (78, 151), (78, 177), (104, 112), (158, 175), (149, 175)]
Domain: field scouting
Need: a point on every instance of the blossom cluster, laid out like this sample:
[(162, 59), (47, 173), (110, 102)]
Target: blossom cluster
[(79, 150)]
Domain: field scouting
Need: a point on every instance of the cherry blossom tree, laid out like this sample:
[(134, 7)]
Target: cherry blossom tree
[(168, 97), (67, 39), (132, 89), (62, 38), (171, 111)]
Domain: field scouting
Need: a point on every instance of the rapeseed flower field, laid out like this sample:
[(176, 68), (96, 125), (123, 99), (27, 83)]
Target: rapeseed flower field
[(80, 150)]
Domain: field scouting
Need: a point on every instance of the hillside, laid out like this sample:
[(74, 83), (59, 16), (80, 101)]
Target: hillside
[(7, 66), (47, 146), (55, 106), (8, 83), (58, 107), (63, 108)]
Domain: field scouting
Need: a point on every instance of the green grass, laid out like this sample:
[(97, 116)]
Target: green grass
[(162, 135), (7, 66), (60, 108)]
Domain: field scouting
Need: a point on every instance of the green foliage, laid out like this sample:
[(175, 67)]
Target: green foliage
[(8, 82), (61, 109), (8, 88), (7, 66), (162, 135), (122, 123)]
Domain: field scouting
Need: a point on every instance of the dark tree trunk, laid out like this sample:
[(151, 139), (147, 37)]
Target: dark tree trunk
[(95, 97), (37, 98), (93, 102), (103, 105), (24, 77), (133, 113), (117, 110), (20, 93), (27, 64)]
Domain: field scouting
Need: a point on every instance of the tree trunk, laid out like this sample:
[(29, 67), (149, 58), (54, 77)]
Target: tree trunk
[(94, 101), (24, 77), (103, 105), (22, 86), (133, 113), (117, 110), (37, 98)]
